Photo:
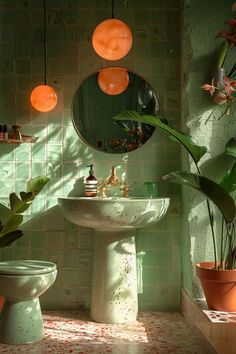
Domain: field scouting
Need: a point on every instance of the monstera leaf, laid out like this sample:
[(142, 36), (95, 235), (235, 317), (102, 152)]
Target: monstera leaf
[(194, 150), (210, 189)]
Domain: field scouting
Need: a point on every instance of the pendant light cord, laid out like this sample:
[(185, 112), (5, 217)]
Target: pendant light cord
[(112, 8), (44, 42)]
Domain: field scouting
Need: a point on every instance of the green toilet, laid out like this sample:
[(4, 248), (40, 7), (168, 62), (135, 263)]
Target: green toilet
[(21, 284)]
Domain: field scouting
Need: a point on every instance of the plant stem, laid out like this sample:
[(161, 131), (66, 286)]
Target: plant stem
[(209, 116), (221, 242), (226, 111), (232, 71), (211, 218)]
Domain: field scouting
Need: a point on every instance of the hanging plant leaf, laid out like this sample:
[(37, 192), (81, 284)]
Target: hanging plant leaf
[(209, 188), (230, 148), (10, 237), (194, 150), (35, 185)]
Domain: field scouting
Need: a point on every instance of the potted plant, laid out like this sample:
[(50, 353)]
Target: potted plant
[(218, 194), (12, 217)]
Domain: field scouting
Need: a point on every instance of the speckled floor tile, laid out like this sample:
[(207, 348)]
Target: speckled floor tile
[(153, 333)]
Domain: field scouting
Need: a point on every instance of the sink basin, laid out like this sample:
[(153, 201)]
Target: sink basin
[(114, 284), (113, 213)]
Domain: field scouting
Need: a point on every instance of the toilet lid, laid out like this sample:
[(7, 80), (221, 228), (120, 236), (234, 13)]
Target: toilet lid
[(26, 267)]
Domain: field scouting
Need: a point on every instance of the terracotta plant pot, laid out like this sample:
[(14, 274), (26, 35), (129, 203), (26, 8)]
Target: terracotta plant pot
[(219, 286)]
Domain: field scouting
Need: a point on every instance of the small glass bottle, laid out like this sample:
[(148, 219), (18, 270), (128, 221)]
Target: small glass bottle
[(91, 184), (16, 134)]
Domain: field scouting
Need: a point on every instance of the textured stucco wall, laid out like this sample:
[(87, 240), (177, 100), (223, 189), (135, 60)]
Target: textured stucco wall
[(202, 20)]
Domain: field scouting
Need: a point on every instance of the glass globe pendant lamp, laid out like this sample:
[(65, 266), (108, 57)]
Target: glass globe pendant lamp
[(112, 38), (113, 80), (43, 97)]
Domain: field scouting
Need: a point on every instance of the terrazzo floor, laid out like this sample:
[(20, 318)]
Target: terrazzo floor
[(153, 333)]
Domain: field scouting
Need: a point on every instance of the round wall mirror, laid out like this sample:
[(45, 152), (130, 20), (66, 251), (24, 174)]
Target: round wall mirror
[(93, 111)]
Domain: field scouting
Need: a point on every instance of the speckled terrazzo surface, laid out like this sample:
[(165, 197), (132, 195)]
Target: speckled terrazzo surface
[(220, 316), (153, 333)]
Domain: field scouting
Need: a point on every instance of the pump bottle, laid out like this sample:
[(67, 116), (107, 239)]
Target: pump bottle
[(91, 184)]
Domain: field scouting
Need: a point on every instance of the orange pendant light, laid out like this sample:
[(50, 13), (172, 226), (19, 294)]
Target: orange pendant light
[(112, 39), (113, 80), (43, 97)]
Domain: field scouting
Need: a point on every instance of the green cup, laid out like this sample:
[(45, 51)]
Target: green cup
[(150, 189)]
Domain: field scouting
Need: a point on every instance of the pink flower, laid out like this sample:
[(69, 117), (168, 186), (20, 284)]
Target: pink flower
[(229, 36), (223, 34), (222, 98), (231, 22), (234, 6), (210, 88), (230, 86)]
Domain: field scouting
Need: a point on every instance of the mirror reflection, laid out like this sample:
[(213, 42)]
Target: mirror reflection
[(93, 111)]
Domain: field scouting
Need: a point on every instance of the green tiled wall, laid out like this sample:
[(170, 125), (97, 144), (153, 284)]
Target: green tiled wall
[(61, 154)]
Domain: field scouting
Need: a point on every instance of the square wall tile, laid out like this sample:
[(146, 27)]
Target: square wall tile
[(7, 169), (54, 240), (22, 170), (23, 152)]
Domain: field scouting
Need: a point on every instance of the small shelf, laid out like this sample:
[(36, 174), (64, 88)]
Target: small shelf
[(25, 139)]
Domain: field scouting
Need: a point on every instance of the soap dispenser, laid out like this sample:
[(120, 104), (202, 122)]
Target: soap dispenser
[(91, 184)]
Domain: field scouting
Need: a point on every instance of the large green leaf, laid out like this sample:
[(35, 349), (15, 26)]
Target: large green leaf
[(230, 148), (5, 213), (11, 219), (35, 185), (210, 189), (10, 237), (27, 197), (228, 182), (222, 51), (194, 150), (17, 205), (12, 224)]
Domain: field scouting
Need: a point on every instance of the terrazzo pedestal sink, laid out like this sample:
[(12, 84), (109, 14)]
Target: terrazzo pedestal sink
[(114, 284)]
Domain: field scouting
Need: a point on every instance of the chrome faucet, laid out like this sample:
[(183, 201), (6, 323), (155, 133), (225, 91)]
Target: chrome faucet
[(113, 180)]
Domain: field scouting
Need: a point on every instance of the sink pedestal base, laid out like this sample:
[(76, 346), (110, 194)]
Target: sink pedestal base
[(114, 287)]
